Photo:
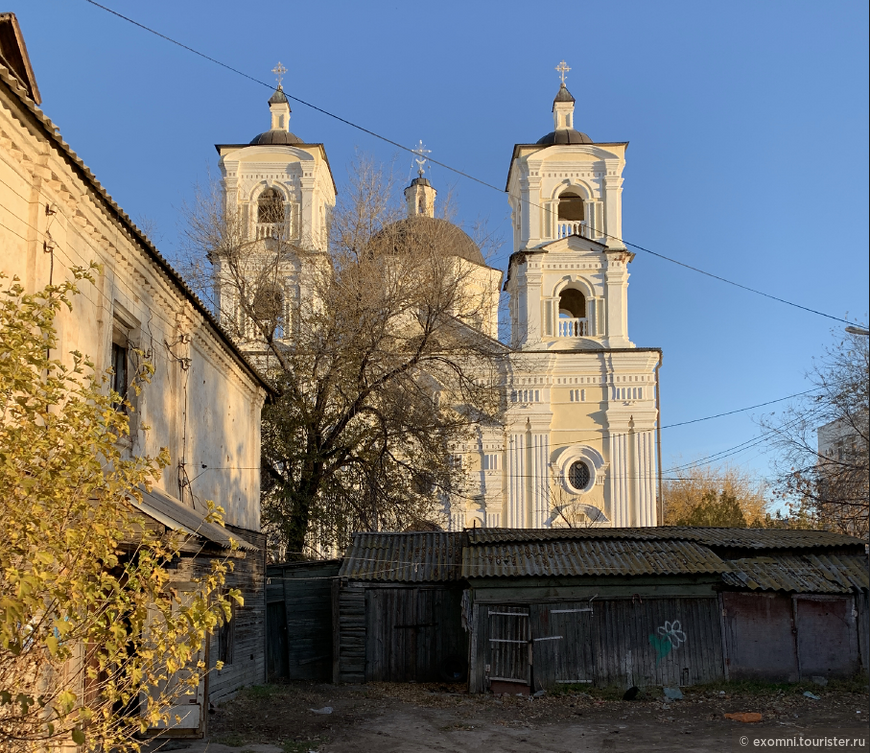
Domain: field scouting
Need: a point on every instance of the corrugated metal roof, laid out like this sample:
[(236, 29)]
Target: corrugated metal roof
[(766, 538), (167, 510), (418, 557), (589, 557), (742, 538), (807, 573)]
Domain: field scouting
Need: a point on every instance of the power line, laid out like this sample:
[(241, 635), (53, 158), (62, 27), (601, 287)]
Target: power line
[(739, 410), (748, 444), (457, 171)]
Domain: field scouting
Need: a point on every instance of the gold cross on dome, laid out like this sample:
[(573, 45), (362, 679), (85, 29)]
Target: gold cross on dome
[(420, 159), (563, 69), (279, 71)]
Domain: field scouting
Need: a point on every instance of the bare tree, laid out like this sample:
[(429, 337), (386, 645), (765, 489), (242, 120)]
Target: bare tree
[(375, 348), (823, 442)]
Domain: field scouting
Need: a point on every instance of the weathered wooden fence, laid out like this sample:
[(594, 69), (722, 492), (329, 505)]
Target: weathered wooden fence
[(299, 620)]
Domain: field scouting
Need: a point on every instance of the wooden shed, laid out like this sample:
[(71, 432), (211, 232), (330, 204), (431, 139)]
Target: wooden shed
[(662, 606), (602, 606), (519, 610), (398, 609)]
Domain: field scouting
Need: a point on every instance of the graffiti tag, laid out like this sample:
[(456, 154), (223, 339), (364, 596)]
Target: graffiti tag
[(666, 638)]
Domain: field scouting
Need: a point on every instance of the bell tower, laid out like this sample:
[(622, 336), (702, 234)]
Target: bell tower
[(567, 277), (278, 193)]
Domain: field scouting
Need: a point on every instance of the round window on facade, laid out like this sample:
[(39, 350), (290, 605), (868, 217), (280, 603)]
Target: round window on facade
[(579, 475)]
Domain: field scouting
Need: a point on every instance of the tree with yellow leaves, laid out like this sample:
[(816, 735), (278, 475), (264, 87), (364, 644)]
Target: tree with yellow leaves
[(711, 496), (94, 642)]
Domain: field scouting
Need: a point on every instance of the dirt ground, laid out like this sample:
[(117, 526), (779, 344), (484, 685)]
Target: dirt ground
[(409, 718)]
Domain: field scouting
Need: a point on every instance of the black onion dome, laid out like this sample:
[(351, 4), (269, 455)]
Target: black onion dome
[(276, 137), (565, 136), (431, 230)]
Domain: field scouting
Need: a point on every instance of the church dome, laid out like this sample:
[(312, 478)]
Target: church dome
[(565, 136), (276, 137), (431, 230)]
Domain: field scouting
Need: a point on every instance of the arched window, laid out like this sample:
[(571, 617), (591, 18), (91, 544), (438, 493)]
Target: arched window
[(571, 216), (268, 308), (572, 313), (572, 303), (570, 207), (270, 207)]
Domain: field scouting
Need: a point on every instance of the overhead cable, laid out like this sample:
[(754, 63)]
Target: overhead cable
[(457, 171)]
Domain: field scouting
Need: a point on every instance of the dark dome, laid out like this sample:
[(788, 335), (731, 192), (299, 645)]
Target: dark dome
[(563, 95), (278, 97), (276, 136), (565, 136), (440, 231)]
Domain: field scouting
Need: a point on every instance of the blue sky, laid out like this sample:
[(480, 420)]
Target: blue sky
[(747, 123)]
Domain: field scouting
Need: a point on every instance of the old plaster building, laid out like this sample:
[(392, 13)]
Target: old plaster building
[(578, 442), (204, 399)]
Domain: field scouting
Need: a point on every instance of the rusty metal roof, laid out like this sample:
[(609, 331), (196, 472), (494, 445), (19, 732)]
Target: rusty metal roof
[(806, 573), (588, 557), (737, 538), (418, 557)]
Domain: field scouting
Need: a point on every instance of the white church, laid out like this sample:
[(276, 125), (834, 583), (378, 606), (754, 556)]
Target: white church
[(579, 443)]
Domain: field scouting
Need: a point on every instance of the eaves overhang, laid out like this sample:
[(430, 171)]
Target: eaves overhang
[(52, 133), (320, 147), (170, 512), (540, 148)]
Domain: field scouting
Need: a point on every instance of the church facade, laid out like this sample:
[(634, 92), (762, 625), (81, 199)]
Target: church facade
[(578, 441)]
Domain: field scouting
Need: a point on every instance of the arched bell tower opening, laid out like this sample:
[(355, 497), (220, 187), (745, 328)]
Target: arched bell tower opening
[(572, 314), (571, 218), (270, 207)]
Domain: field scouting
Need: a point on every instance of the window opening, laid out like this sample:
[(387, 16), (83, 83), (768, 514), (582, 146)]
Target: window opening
[(119, 376), (570, 207), (578, 475), (572, 304), (270, 207), (227, 637)]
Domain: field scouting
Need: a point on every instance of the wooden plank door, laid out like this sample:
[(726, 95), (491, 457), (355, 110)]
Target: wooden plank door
[(509, 644), (562, 644)]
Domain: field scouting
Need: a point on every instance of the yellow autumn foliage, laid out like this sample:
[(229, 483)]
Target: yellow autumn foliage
[(88, 625), (693, 487)]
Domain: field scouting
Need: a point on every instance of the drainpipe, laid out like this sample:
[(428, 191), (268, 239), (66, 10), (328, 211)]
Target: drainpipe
[(661, 504)]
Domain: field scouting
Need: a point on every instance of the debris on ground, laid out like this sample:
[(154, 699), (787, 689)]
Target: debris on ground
[(812, 695), (673, 694), (748, 717)]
